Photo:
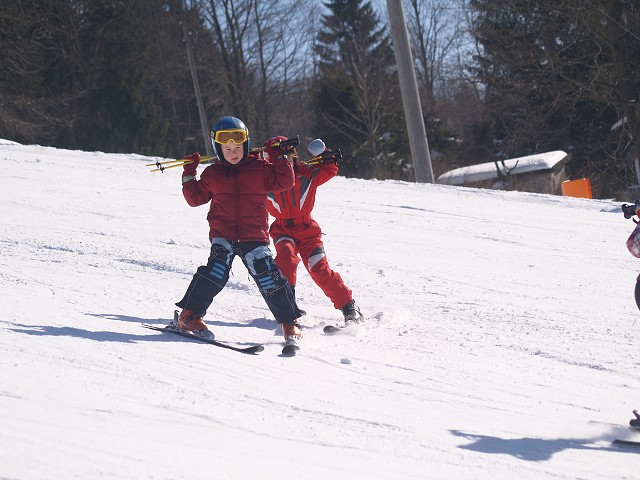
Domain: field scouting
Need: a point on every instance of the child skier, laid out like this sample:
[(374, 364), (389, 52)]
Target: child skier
[(237, 185), (294, 232)]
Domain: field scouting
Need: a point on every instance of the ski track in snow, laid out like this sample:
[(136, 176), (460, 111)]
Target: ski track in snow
[(499, 324)]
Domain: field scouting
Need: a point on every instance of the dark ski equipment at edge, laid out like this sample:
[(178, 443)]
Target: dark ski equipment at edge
[(626, 443), (182, 333), (329, 329), (290, 350), (620, 442)]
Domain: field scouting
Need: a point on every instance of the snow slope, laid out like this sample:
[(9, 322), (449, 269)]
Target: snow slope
[(501, 323)]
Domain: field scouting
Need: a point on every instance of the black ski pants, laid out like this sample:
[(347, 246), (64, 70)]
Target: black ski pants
[(210, 279)]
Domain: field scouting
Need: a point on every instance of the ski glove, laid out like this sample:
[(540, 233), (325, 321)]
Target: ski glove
[(190, 168), (194, 164), (274, 151)]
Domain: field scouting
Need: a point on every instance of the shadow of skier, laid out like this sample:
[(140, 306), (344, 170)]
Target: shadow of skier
[(532, 449)]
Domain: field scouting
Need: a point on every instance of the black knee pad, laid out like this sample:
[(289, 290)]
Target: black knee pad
[(219, 263), (264, 270)]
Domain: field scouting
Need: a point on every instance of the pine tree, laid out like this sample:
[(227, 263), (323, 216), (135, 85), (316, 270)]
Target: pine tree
[(356, 93)]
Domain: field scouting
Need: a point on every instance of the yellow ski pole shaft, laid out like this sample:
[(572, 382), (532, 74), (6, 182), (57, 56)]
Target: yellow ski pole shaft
[(167, 162), (330, 156), (311, 161), (161, 166)]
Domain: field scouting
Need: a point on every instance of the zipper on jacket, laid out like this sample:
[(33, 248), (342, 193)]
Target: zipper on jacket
[(236, 198)]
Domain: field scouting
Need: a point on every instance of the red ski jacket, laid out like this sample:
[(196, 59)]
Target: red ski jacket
[(238, 195), (294, 206)]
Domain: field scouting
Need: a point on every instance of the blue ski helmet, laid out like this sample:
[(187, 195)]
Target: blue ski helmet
[(227, 130)]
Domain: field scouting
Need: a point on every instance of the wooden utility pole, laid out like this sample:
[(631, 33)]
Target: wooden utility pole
[(410, 97), (196, 87)]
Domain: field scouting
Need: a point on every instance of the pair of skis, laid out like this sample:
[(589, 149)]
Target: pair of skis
[(173, 328), (289, 350), (253, 349)]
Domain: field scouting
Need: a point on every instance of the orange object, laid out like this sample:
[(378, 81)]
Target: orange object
[(580, 188), (190, 322)]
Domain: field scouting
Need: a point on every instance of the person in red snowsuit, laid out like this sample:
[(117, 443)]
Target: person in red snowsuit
[(296, 235)]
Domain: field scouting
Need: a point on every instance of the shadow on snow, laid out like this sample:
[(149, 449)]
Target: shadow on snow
[(261, 323), (532, 449), (107, 336)]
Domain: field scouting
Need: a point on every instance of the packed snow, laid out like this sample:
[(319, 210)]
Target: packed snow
[(501, 329)]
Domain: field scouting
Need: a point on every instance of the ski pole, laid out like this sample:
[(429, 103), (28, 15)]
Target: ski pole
[(330, 156), (162, 166)]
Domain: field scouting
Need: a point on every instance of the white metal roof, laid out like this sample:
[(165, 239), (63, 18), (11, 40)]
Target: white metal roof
[(514, 166)]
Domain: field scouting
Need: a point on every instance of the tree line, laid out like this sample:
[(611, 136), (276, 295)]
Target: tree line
[(497, 78)]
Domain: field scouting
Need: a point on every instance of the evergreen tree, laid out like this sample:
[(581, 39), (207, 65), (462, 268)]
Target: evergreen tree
[(356, 93)]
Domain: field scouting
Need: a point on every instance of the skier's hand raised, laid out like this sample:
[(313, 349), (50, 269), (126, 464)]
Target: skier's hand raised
[(190, 168), (195, 161), (273, 147)]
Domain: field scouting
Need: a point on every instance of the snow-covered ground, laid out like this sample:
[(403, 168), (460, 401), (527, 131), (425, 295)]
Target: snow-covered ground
[(501, 324)]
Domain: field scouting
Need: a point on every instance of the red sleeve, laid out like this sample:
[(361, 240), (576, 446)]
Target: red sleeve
[(303, 170), (327, 172), (279, 175), (195, 191)]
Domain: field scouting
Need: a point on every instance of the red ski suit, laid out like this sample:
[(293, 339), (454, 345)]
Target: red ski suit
[(295, 232)]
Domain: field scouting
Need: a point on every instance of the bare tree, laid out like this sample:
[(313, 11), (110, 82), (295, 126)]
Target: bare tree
[(356, 93), (37, 41), (262, 47), (440, 41), (561, 76), (436, 31)]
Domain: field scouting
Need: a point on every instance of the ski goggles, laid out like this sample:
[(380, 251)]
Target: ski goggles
[(227, 136)]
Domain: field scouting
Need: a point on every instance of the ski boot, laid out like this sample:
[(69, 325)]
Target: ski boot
[(292, 335), (352, 313), (189, 321)]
